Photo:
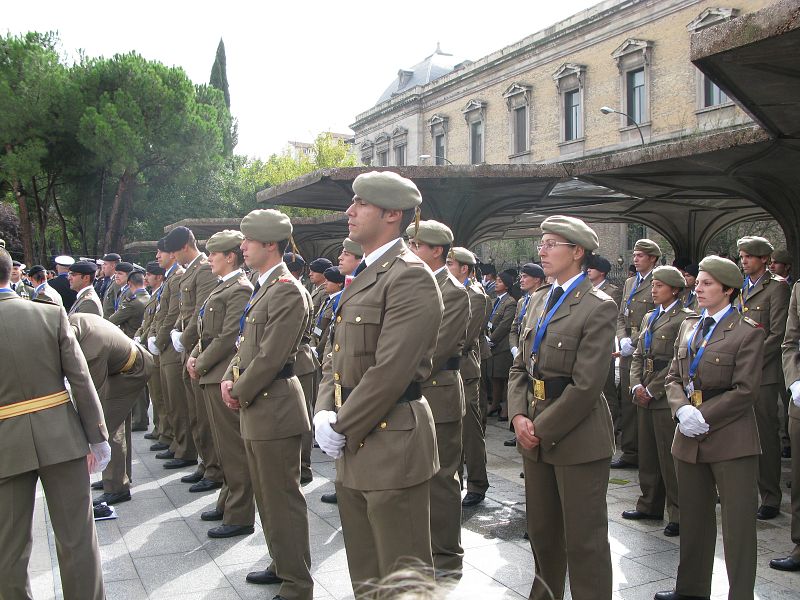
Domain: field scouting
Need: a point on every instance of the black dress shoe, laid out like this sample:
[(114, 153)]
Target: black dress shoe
[(785, 564), (97, 485), (472, 499), (511, 442), (767, 512), (165, 455), (263, 577), (306, 479), (226, 531), (205, 485), (502, 419), (786, 452), (673, 595), (110, 498), (139, 428), (150, 436), (329, 498), (622, 464), (179, 463), (493, 412), (636, 515), (672, 529), (193, 478), (158, 446), (211, 515)]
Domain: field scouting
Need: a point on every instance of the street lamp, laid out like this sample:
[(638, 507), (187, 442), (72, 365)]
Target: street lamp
[(427, 156), (607, 110)]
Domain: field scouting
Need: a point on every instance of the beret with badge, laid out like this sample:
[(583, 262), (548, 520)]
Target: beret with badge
[(573, 230)]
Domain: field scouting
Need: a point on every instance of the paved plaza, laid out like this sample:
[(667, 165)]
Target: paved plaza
[(158, 547)]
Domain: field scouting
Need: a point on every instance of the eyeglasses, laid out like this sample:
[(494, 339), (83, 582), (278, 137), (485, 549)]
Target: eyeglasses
[(550, 245)]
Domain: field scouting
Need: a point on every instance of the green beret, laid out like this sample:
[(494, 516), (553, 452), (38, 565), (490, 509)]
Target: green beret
[(754, 245), (266, 225), (669, 275), (462, 255), (226, 240), (352, 247), (431, 232), (647, 246), (723, 270), (782, 256), (388, 190), (573, 230)]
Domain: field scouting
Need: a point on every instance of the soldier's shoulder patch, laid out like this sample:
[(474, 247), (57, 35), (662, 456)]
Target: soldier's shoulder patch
[(688, 311), (544, 288), (751, 322), (286, 280), (599, 294)]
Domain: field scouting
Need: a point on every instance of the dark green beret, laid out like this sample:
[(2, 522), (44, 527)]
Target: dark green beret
[(387, 189), (266, 225), (352, 247), (430, 232), (723, 270), (669, 275), (573, 230), (226, 240), (755, 245), (647, 246), (462, 255), (782, 256), (334, 275), (125, 267)]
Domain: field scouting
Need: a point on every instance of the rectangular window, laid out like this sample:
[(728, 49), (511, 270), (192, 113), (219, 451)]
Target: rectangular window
[(520, 129), (383, 158), (635, 102), (712, 95), (400, 156), (572, 115), (476, 142), (438, 149)]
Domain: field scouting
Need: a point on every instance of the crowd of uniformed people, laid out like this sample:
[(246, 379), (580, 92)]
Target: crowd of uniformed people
[(392, 361)]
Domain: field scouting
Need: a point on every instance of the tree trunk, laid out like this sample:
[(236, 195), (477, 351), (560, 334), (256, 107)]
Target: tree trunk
[(119, 213), (25, 230), (62, 222), (99, 216), (41, 217)]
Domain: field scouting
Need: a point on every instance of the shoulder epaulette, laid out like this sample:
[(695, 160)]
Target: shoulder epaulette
[(751, 322), (689, 311)]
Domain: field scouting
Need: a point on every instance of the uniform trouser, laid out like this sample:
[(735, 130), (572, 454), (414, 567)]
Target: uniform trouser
[(627, 414), (735, 481), (236, 496), (473, 440), (275, 473), (485, 390), (769, 463), (308, 382), (182, 441), (139, 416), (445, 490), (794, 438), (122, 393), (201, 428), (568, 524), (384, 530), (160, 417), (657, 478), (66, 488), (783, 407), (499, 388), (611, 394)]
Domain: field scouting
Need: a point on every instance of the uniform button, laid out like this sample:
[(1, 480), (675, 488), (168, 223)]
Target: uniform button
[(358, 319), (266, 394), (339, 319), (559, 344), (716, 359), (433, 382), (336, 347), (336, 377), (210, 308), (361, 445), (745, 309), (383, 424)]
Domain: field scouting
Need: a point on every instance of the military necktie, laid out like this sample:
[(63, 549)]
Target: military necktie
[(708, 323), (361, 266), (557, 293)]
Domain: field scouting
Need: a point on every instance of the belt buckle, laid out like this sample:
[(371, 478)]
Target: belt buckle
[(235, 371), (649, 367), (538, 389), (697, 398), (337, 395)]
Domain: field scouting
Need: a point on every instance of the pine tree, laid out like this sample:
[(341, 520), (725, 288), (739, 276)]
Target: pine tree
[(219, 73)]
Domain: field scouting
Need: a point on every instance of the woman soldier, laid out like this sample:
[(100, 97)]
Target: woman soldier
[(218, 327), (649, 368), (711, 387), (561, 418), (498, 328)]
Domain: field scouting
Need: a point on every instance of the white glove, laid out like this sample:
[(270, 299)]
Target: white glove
[(489, 341), (691, 421), (626, 347), (176, 340), (151, 345), (514, 351), (329, 440), (99, 456), (137, 339), (795, 389)]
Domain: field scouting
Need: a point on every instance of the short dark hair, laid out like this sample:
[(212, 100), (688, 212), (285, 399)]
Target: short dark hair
[(136, 278), (238, 257), (5, 265), (408, 217), (283, 246)]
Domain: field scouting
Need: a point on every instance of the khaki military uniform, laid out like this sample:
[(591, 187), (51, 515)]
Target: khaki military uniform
[(196, 284), (767, 303), (610, 390), (161, 424), (306, 366), (87, 302), (629, 318), (689, 300), (501, 320), (655, 424), (48, 445), (217, 330), (791, 370), (473, 434), (318, 296), (321, 329), (444, 391), (381, 350), (722, 461), (566, 475), (519, 315), (273, 417), (45, 292), (23, 290), (109, 300)]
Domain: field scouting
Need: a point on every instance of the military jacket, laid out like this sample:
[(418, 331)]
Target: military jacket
[(130, 314), (768, 304), (166, 315), (630, 315), (149, 315), (790, 348), (500, 323), (321, 327), (110, 298), (611, 290), (479, 307), (196, 284), (87, 302), (48, 293), (689, 299)]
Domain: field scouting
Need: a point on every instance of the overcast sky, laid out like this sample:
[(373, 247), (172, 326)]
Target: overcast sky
[(297, 69)]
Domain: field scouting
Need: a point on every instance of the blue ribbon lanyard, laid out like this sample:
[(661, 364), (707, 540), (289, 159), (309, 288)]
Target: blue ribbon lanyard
[(322, 310), (467, 282), (336, 303), (40, 287), (6, 290), (702, 349), (544, 320), (633, 291), (648, 335), (494, 309), (246, 310), (524, 309)]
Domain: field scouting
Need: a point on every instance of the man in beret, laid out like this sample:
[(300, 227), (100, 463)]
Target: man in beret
[(561, 419), (635, 303), (261, 384), (765, 299), (154, 276), (781, 265), (60, 282), (370, 413), (316, 276), (461, 264), (333, 286), (121, 272), (443, 389), (107, 265), (17, 284), (689, 297), (350, 257), (196, 284), (81, 276), (42, 289)]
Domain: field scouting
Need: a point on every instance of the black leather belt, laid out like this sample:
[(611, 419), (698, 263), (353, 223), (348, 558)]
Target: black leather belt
[(658, 365), (286, 372), (555, 386), (709, 394), (453, 364), (412, 392)]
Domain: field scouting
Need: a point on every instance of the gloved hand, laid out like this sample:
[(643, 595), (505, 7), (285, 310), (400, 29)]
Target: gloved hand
[(137, 339), (626, 347), (98, 457), (489, 341), (329, 440), (795, 389), (514, 351), (176, 340), (691, 421), (151, 345)]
